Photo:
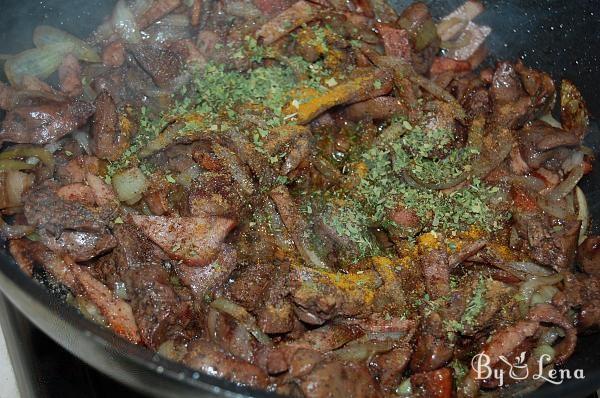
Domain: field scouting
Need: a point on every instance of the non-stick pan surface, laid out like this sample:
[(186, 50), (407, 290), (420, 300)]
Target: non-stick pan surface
[(558, 36)]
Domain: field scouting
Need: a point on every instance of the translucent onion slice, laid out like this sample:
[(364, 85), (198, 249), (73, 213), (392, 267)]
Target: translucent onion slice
[(12, 185), (84, 140), (38, 62), (529, 268), (529, 287), (130, 185), (139, 7), (583, 214), (44, 35), (567, 185), (187, 177), (10, 164), (124, 23), (240, 314), (363, 351)]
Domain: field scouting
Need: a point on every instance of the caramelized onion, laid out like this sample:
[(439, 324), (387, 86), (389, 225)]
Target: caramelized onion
[(567, 185), (38, 62), (45, 35), (124, 23), (240, 314), (529, 268), (12, 185), (529, 287), (8, 231)]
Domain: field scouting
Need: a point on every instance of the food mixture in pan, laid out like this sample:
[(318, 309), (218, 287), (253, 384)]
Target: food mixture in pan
[(318, 198)]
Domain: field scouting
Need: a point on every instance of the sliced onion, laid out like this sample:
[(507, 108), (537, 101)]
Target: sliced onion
[(484, 166), (14, 231), (27, 151), (544, 295), (545, 352), (556, 209), (243, 9), (173, 351), (124, 23), (12, 185), (167, 349), (329, 171), (44, 35), (405, 388), (450, 183), (188, 176), (529, 287), (529, 268), (463, 40), (529, 182), (567, 185), (276, 226), (10, 164), (130, 185), (211, 323), (514, 237), (84, 140), (180, 20), (16, 183), (172, 27), (120, 290), (89, 310), (438, 92), (454, 23), (551, 335), (32, 160), (387, 335), (54, 146), (89, 94), (38, 62), (139, 7), (583, 214), (572, 161), (450, 28), (570, 202), (240, 314), (587, 151), (548, 118), (363, 351)]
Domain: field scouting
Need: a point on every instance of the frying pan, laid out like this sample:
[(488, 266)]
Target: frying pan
[(561, 37)]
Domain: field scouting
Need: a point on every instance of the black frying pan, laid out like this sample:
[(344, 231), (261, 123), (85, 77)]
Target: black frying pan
[(558, 36)]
